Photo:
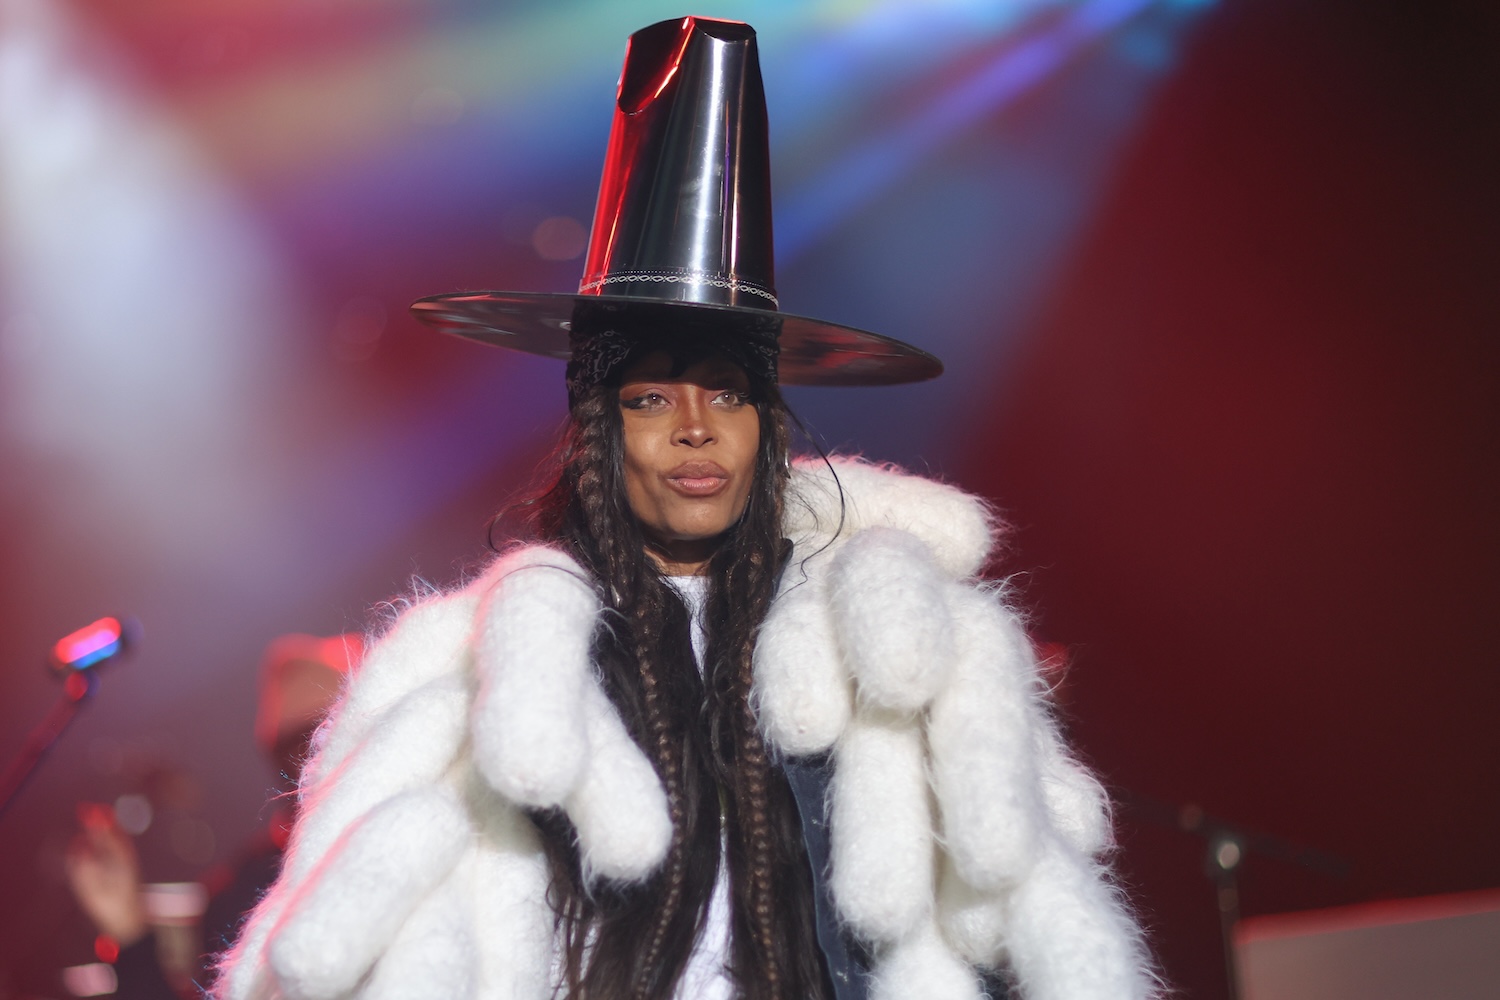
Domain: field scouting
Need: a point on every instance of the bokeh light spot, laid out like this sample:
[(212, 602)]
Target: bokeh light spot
[(106, 948), (561, 237), (134, 814)]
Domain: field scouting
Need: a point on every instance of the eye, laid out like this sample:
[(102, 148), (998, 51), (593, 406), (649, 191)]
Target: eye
[(650, 399), (732, 398)]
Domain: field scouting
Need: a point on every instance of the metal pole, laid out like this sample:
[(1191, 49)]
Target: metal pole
[(79, 686)]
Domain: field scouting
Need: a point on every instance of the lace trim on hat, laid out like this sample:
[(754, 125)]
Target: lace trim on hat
[(682, 278)]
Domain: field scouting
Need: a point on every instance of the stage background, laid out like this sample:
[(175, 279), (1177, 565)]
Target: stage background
[(1215, 283)]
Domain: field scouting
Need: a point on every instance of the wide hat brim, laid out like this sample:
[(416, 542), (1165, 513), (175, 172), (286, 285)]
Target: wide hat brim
[(813, 352)]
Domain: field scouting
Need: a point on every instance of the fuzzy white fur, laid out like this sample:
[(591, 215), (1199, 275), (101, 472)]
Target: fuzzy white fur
[(620, 807), (803, 694), (1070, 937), (922, 964), (886, 595), (532, 654), (974, 922), (980, 735), (881, 828), (435, 956), (958, 528), (380, 872), (507, 880), (962, 833)]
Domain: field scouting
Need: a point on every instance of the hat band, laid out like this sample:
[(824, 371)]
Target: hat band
[(697, 278)]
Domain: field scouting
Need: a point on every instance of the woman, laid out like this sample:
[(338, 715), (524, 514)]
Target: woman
[(673, 475), (734, 727)]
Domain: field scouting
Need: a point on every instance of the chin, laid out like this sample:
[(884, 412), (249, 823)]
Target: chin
[(701, 527), (692, 536)]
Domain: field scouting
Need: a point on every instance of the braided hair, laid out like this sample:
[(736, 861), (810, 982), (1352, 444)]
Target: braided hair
[(632, 942)]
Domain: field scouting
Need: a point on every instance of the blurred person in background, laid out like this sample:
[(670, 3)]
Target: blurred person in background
[(301, 675)]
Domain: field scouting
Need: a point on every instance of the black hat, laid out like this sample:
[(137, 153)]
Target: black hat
[(682, 228)]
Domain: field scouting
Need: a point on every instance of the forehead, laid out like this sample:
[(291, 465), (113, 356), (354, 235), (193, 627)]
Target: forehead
[(660, 366)]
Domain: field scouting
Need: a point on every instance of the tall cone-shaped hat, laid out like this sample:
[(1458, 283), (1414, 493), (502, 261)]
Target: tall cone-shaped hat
[(682, 229)]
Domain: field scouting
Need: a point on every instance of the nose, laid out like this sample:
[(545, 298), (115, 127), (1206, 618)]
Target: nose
[(695, 428)]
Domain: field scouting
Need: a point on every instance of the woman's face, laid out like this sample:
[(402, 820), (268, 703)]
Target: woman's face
[(690, 446)]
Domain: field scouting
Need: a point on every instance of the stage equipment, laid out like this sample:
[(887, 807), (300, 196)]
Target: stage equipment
[(1226, 845), (1434, 947), (76, 658)]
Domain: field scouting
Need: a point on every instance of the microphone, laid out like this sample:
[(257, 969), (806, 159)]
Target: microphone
[(94, 644)]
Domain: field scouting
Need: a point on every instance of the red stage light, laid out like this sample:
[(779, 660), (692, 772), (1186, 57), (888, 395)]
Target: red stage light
[(89, 645)]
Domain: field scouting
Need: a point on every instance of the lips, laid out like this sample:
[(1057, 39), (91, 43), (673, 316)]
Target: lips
[(698, 479)]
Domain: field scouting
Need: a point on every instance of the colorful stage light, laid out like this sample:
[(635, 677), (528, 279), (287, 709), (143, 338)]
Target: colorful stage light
[(94, 643)]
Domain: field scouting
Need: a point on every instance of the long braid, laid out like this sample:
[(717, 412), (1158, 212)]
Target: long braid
[(640, 601), (667, 763), (632, 941), (755, 822), (754, 768), (645, 608)]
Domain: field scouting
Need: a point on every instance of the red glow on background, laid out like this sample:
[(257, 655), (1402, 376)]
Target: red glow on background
[(89, 644)]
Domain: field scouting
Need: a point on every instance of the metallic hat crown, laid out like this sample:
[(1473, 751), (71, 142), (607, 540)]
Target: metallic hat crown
[(684, 210)]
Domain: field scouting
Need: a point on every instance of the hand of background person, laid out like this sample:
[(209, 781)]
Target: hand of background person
[(105, 875)]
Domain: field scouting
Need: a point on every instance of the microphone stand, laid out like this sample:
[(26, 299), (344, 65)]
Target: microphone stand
[(1226, 846), (1220, 863), (76, 657), (77, 689)]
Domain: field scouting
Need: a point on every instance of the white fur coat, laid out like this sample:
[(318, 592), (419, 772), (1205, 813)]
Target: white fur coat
[(962, 832)]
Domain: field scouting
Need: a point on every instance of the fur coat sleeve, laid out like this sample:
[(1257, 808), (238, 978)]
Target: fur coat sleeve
[(963, 836)]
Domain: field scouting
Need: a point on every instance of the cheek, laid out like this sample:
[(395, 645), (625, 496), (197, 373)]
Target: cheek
[(636, 466), (746, 453)]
